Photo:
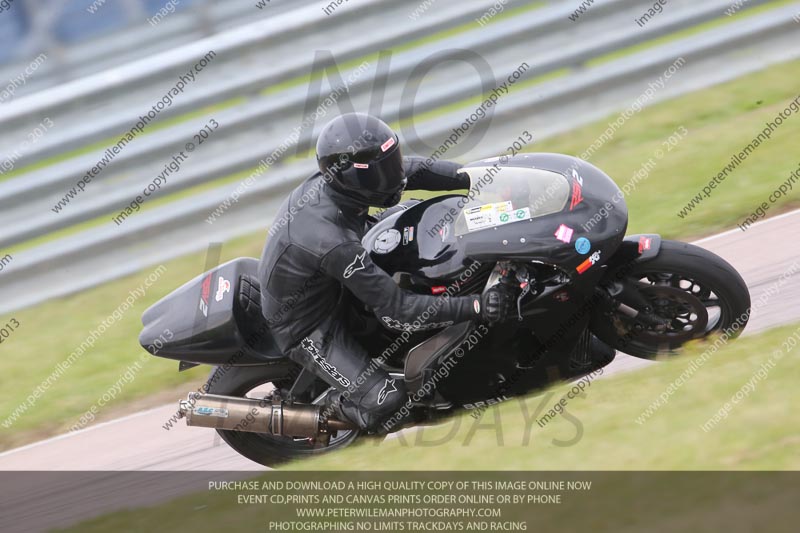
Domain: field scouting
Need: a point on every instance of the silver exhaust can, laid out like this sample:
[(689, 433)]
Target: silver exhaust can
[(272, 416)]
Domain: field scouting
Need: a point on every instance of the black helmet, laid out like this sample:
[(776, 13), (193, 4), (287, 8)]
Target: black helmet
[(359, 155)]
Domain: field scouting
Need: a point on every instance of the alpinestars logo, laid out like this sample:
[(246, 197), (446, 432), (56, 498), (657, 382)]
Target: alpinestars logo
[(388, 388), (309, 346), (356, 265), (396, 324)]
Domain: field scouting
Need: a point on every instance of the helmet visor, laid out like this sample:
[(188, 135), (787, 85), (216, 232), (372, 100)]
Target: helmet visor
[(377, 180)]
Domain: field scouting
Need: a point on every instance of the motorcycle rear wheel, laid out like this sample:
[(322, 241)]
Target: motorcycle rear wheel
[(268, 450)]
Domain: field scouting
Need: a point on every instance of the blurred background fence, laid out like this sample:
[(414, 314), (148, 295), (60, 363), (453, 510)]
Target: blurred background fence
[(100, 66)]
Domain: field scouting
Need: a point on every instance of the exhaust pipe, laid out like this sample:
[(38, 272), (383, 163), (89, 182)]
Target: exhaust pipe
[(272, 416)]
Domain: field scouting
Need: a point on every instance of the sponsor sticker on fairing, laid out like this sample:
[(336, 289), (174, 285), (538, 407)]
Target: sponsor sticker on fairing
[(490, 215), (644, 244), (205, 291), (223, 287), (479, 217), (577, 190), (361, 165), (408, 235), (586, 265), (564, 233), (484, 404)]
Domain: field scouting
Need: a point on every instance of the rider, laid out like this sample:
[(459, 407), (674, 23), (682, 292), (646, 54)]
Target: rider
[(314, 253)]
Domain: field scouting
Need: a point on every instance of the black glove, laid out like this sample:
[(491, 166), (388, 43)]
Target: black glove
[(463, 180), (496, 303)]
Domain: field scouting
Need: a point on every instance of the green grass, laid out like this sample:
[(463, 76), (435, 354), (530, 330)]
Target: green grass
[(758, 434), (720, 120), (602, 433)]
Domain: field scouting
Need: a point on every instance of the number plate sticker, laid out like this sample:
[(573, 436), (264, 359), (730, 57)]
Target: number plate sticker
[(487, 215), (496, 214)]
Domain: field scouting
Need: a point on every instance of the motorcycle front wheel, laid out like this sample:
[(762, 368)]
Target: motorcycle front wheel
[(693, 292)]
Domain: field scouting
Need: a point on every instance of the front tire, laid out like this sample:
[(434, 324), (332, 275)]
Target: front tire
[(697, 293), (268, 450)]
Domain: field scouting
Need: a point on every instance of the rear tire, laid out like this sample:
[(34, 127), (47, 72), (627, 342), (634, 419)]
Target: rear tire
[(268, 450), (697, 291)]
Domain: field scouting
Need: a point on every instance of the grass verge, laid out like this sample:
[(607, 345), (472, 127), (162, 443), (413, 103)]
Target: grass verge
[(602, 429), (598, 432)]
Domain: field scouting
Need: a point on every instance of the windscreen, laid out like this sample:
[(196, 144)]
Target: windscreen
[(502, 195)]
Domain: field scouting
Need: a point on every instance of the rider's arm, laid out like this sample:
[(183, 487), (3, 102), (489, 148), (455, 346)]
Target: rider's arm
[(436, 176), (396, 308)]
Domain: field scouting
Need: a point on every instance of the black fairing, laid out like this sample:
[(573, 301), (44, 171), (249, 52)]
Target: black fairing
[(214, 319), (442, 255), (552, 338), (423, 255)]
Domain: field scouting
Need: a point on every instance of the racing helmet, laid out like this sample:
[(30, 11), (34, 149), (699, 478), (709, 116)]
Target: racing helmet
[(359, 156)]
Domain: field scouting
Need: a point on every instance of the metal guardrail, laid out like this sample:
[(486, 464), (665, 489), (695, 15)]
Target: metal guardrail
[(185, 217), (248, 115), (651, 63), (138, 38), (115, 96), (281, 110)]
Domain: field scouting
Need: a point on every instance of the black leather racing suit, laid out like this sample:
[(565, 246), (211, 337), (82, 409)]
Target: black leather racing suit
[(313, 253)]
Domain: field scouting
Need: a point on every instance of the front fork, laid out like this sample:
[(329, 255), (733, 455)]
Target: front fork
[(626, 299), (622, 292)]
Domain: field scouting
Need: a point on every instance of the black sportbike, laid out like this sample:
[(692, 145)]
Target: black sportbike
[(550, 226)]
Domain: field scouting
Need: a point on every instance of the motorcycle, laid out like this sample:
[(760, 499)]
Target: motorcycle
[(552, 227)]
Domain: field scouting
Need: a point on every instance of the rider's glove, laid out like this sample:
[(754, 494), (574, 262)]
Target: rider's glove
[(463, 181), (496, 304)]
